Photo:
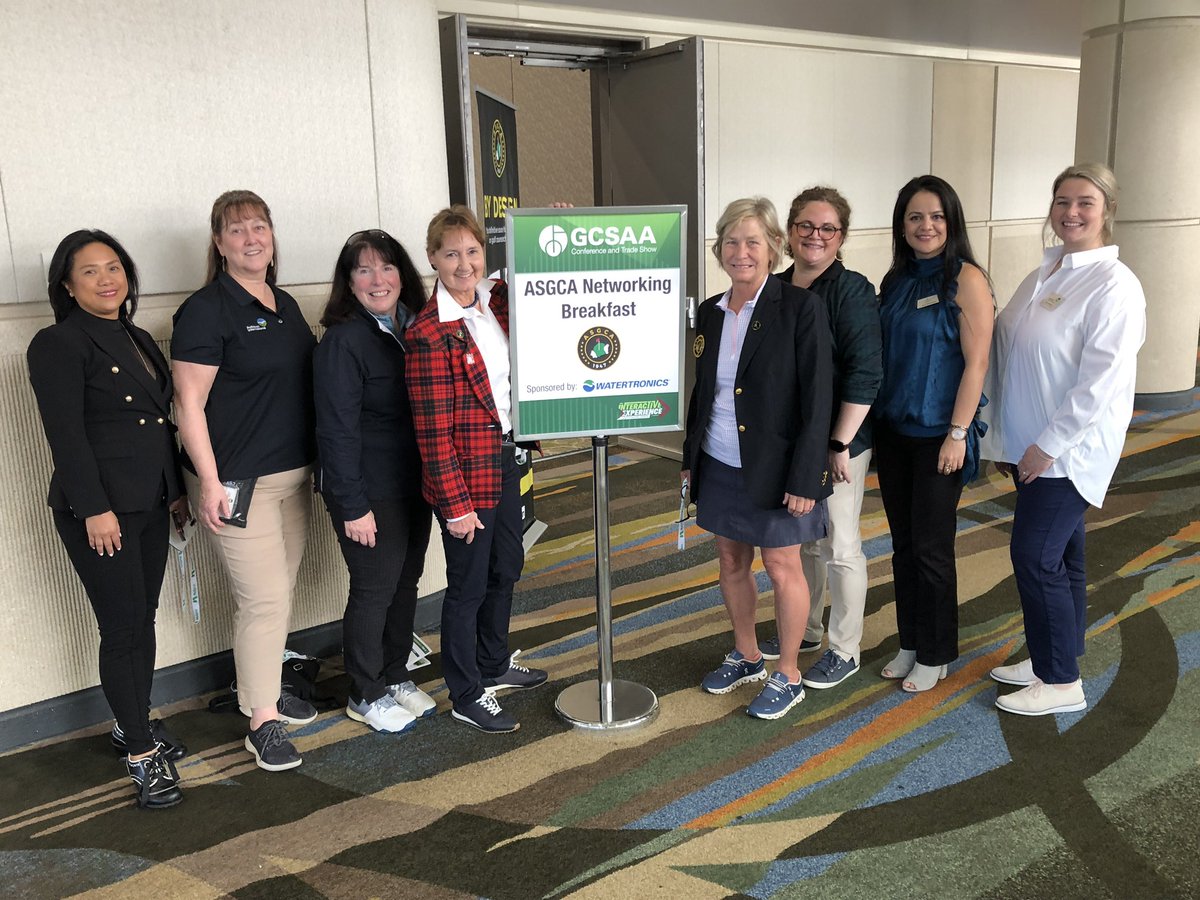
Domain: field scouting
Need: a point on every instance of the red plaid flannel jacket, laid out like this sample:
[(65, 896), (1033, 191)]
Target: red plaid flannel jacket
[(458, 429)]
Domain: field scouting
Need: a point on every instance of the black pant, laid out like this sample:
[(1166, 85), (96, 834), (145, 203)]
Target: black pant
[(479, 585), (123, 590), (922, 512), (377, 629)]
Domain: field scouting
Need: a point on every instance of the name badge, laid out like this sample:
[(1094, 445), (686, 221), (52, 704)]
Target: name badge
[(1053, 302), (927, 301)]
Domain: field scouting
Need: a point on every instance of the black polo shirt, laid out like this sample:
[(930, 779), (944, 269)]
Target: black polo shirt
[(260, 408)]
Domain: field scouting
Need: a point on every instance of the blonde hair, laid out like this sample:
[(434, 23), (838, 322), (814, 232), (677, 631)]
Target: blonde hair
[(759, 208), (1105, 182), (456, 216)]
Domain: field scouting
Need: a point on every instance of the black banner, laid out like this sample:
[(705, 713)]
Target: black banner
[(501, 188)]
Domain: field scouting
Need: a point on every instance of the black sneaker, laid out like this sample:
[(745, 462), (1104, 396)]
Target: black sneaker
[(486, 715), (292, 710), (271, 748), (155, 780), (168, 745), (517, 678)]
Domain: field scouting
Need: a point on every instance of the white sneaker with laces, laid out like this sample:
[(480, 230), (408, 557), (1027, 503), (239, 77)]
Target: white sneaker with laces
[(1041, 699), (412, 698), (384, 714), (1020, 674)]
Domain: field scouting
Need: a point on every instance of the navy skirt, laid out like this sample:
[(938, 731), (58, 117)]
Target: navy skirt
[(725, 509)]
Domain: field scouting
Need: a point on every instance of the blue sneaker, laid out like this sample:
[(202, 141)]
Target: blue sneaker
[(776, 698), (734, 672), (769, 647), (829, 671)]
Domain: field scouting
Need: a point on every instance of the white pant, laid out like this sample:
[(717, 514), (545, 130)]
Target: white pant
[(838, 559)]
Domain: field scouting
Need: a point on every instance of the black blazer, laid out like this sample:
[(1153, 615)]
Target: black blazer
[(783, 394), (366, 444), (106, 418)]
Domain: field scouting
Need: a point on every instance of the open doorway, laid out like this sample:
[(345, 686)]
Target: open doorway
[(601, 121)]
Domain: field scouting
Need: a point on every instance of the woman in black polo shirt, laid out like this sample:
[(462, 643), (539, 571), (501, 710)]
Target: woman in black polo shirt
[(242, 359), (370, 472)]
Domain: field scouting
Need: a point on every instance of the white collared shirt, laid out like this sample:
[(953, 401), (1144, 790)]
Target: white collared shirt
[(721, 434), (1064, 362), (490, 340)]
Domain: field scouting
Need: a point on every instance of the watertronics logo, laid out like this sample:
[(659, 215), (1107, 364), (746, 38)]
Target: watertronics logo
[(641, 409), (599, 348), (553, 240), (628, 385)]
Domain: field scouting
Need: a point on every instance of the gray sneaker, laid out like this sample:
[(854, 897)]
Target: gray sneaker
[(271, 747), (295, 711), (384, 714), (829, 671)]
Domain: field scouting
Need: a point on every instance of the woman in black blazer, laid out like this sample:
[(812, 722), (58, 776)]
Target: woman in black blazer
[(104, 392), (755, 454), (370, 472)]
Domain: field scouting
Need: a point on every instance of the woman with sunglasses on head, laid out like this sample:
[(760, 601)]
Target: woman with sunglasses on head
[(936, 310), (369, 472), (104, 393), (817, 224), (242, 357), (1063, 379)]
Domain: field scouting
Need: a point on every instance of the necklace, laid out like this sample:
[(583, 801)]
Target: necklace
[(138, 351)]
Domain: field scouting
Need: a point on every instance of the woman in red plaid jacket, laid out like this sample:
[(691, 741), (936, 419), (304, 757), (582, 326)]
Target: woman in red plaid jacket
[(458, 382)]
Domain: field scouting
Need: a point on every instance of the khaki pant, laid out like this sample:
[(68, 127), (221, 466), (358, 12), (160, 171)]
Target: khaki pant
[(262, 560)]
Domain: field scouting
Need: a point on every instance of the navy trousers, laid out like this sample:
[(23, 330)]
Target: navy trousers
[(479, 585), (1047, 551), (377, 629)]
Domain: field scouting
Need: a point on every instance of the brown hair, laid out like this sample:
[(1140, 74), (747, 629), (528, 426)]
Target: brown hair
[(821, 194), (235, 206), (456, 216)]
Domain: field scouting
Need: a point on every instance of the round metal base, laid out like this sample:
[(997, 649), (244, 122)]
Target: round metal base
[(632, 705)]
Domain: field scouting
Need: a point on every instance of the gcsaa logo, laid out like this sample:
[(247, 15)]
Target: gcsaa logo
[(553, 240), (599, 348), (499, 149)]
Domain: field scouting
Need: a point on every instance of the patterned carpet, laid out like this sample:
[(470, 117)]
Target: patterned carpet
[(862, 791)]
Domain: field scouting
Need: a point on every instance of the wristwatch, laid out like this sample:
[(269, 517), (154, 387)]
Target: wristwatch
[(958, 432), (837, 446)]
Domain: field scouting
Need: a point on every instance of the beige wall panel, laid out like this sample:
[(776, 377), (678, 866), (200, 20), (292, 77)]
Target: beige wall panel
[(963, 115), (406, 99), (1158, 123), (869, 253), (980, 237), (136, 116), (1164, 258), (8, 280), (1035, 137), (1136, 10), (1016, 250), (873, 136), (1099, 13), (1094, 116), (712, 146)]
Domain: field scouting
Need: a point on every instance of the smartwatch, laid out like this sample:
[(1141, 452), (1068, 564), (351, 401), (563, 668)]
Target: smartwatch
[(837, 446)]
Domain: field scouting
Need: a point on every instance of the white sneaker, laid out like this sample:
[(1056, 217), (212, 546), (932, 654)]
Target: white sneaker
[(1040, 699), (384, 714), (412, 698), (1020, 674)]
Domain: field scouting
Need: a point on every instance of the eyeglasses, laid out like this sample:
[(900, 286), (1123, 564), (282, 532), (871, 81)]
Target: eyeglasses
[(826, 231)]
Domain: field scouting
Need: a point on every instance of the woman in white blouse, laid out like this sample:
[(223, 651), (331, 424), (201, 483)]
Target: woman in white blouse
[(1062, 384)]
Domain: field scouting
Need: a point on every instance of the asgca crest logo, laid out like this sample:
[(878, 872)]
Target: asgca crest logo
[(553, 240)]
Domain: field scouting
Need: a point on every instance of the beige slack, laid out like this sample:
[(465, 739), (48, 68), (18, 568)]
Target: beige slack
[(262, 560)]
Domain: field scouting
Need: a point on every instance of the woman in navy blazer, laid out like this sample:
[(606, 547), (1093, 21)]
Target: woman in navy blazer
[(104, 392), (370, 472), (755, 453)]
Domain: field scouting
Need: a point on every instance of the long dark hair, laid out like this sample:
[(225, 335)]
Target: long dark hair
[(63, 261), (958, 245), (342, 304)]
